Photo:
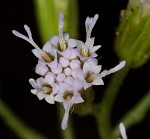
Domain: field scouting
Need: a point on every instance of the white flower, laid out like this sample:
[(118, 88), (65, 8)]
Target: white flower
[(64, 62), (62, 42), (75, 64), (69, 53), (91, 73), (68, 97), (41, 68), (44, 87), (38, 52), (88, 49), (122, 131), (67, 67), (55, 67)]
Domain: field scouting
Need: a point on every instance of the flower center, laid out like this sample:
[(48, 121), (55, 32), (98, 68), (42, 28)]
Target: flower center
[(90, 77), (68, 96), (47, 89), (84, 51), (62, 45)]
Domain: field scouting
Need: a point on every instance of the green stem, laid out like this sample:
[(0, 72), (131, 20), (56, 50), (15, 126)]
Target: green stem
[(136, 114), (68, 133), (105, 107), (21, 130)]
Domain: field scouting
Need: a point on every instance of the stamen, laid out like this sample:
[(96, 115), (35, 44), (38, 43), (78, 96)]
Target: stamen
[(47, 90), (84, 51), (68, 96), (89, 78), (63, 45), (47, 58)]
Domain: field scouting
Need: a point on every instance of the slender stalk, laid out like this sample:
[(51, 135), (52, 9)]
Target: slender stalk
[(13, 122), (68, 132), (136, 114), (105, 107)]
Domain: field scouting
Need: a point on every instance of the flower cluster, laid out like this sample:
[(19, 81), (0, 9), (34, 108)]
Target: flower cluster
[(66, 66)]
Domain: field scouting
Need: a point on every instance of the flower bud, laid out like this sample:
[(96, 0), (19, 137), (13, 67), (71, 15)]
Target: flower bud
[(132, 41)]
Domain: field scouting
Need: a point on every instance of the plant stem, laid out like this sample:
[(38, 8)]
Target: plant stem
[(105, 107), (13, 122), (68, 132), (136, 114)]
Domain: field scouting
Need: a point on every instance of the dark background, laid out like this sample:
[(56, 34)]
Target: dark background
[(17, 66)]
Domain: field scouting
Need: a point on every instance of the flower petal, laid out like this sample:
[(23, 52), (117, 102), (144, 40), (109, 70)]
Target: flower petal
[(77, 99), (50, 78), (50, 98), (33, 83), (95, 48), (40, 82), (54, 40), (47, 47), (41, 68), (98, 81), (66, 36), (116, 68), (34, 91), (72, 43), (40, 95), (97, 69)]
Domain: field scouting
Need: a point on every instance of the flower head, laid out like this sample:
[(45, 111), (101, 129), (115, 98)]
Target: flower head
[(67, 67)]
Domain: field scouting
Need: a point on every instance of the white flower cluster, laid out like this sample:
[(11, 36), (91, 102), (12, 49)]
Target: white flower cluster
[(66, 67)]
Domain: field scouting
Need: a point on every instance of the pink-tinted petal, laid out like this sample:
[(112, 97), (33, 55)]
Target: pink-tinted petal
[(59, 98), (86, 85), (67, 71), (75, 64), (57, 69), (41, 68), (60, 77), (72, 43), (77, 73), (77, 99), (64, 62), (69, 80), (87, 67), (54, 40), (50, 78), (47, 47)]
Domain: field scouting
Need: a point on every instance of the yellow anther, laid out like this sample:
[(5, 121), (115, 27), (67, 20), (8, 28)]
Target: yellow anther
[(89, 78), (63, 45), (68, 96), (84, 51), (47, 90), (47, 57)]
